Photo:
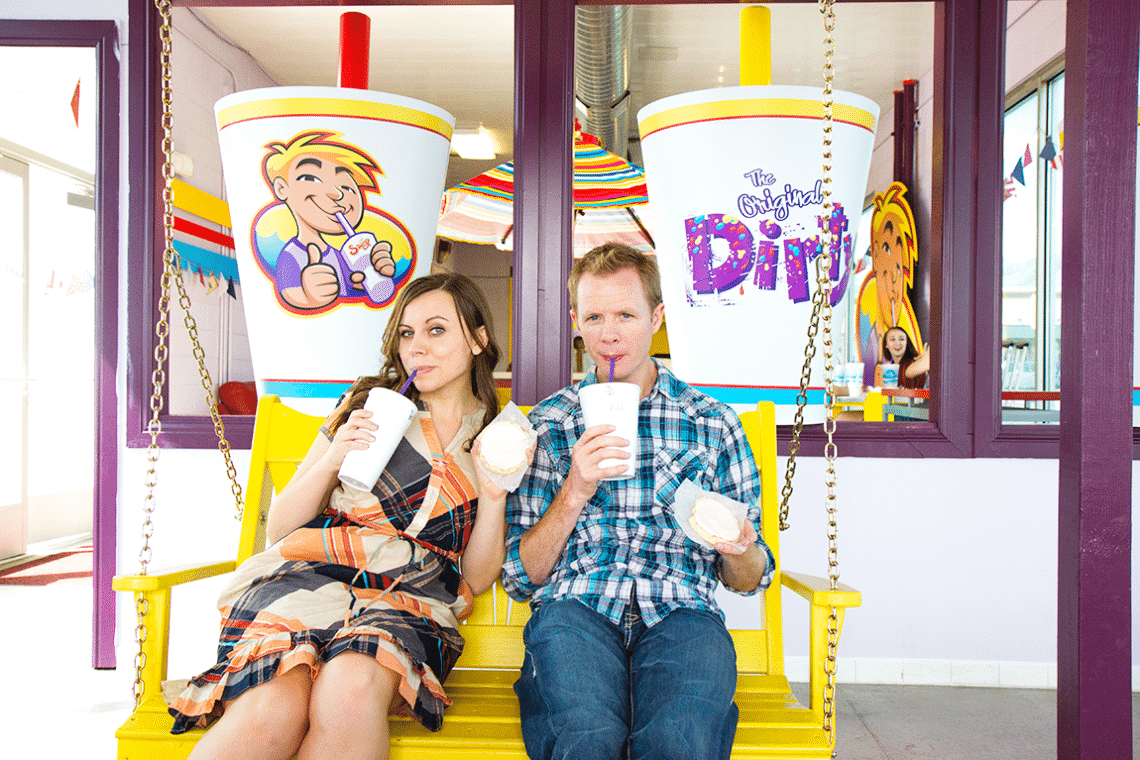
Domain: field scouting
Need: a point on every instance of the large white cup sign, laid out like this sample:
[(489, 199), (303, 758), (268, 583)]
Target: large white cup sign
[(735, 176), (334, 196)]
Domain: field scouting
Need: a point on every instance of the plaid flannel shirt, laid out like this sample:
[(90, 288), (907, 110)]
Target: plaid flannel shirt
[(627, 540)]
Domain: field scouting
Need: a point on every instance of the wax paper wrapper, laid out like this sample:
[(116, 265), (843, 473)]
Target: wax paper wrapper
[(511, 413), (686, 498)]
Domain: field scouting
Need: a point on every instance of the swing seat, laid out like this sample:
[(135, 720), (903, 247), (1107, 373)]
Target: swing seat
[(484, 721)]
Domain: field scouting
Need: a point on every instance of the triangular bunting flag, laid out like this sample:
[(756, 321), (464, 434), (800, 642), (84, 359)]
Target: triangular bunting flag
[(1028, 156), (230, 289), (1018, 173), (1048, 152), (75, 103)]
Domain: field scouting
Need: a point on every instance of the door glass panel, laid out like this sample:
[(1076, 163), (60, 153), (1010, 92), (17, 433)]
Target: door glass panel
[(61, 361), (47, 348), (13, 259)]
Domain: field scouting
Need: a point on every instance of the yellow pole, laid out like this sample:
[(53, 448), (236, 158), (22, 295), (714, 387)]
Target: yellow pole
[(755, 45)]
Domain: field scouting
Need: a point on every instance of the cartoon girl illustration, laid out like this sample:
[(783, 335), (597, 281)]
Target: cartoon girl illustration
[(319, 241)]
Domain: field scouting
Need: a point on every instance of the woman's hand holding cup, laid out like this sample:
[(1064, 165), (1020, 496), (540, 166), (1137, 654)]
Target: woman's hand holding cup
[(354, 435)]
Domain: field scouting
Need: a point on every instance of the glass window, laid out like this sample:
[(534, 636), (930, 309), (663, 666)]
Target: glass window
[(945, 150), (1031, 253), (1019, 248)]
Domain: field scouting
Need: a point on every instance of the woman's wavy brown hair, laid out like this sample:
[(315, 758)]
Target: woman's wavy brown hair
[(474, 312)]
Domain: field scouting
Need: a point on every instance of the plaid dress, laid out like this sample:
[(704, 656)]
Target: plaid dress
[(375, 573)]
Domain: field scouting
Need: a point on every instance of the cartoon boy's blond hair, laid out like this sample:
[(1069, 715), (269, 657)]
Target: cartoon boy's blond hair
[(891, 205), (319, 145)]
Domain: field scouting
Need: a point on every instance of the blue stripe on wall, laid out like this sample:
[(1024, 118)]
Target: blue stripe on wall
[(731, 395), (302, 389)]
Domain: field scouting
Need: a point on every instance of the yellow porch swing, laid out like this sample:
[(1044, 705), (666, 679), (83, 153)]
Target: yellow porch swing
[(483, 721)]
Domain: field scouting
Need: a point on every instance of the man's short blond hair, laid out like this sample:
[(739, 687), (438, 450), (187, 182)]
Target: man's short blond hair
[(610, 258)]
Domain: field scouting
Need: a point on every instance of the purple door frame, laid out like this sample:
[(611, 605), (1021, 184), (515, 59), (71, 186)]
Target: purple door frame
[(103, 37), (1094, 568)]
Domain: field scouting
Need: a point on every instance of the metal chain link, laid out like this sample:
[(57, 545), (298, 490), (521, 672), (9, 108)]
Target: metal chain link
[(171, 270), (171, 274), (801, 402), (830, 452)]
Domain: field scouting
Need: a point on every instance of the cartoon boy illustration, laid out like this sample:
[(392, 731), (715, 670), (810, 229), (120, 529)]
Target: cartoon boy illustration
[(320, 181), (884, 299)]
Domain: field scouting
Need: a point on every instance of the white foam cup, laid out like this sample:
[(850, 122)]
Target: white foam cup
[(393, 413), (613, 404), (890, 375), (395, 149), (853, 377), (734, 174)]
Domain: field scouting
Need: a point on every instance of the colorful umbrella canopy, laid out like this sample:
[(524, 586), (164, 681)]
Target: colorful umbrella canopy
[(606, 187)]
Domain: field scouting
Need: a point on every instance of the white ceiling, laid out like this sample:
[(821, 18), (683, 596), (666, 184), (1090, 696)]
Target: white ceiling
[(461, 57)]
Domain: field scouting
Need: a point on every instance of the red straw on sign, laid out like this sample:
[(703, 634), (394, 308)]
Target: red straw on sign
[(353, 63)]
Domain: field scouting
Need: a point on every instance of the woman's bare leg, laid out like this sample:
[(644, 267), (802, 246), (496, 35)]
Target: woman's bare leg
[(348, 710), (267, 722)]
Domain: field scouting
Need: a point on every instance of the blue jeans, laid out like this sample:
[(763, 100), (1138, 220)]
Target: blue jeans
[(592, 690)]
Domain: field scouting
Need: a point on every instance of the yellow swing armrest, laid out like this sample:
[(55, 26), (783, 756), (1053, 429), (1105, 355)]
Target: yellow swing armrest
[(174, 576), (823, 600), (818, 590), (153, 596)]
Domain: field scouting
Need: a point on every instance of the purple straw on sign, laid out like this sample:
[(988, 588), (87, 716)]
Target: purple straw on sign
[(612, 360), (408, 382), (344, 223)]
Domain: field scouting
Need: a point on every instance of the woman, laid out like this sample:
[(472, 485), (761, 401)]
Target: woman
[(352, 612), (913, 366)]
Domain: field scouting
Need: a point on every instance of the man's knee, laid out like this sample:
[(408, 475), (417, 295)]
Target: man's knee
[(588, 733), (686, 728), (574, 734)]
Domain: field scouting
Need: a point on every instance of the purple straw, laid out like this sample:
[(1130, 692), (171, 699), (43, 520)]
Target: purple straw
[(612, 360), (408, 382), (344, 223)]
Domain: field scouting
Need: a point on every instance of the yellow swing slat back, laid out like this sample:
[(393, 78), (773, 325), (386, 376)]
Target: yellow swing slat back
[(483, 721)]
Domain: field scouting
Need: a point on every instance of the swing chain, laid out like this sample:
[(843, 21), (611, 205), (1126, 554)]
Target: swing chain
[(801, 402), (173, 272), (830, 452), (171, 275)]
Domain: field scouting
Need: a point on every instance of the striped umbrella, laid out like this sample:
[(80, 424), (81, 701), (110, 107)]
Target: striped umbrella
[(606, 188)]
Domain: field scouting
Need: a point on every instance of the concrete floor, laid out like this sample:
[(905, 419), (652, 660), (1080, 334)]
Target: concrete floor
[(945, 722), (55, 705)]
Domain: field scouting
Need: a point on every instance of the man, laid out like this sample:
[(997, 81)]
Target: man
[(626, 645)]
